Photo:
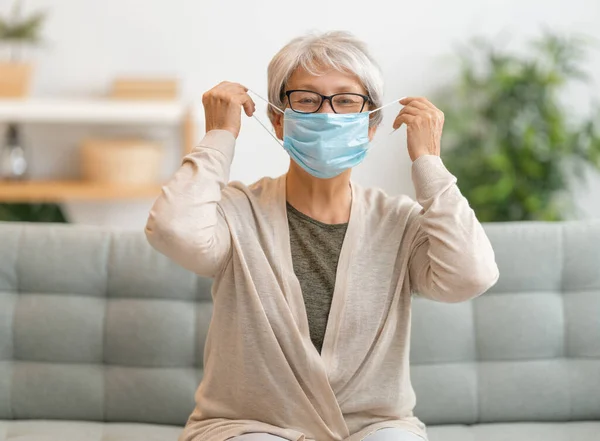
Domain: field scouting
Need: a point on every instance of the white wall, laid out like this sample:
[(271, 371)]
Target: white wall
[(209, 41)]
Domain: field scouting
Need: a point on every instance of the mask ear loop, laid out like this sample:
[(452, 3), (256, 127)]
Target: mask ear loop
[(260, 122), (386, 105), (377, 110)]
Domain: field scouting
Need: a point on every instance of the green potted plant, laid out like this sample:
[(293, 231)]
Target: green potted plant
[(17, 32), (509, 138), (31, 213)]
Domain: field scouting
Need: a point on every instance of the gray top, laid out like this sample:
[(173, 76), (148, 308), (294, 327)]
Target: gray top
[(315, 253)]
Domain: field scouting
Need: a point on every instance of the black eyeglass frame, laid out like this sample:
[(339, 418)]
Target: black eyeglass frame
[(324, 98)]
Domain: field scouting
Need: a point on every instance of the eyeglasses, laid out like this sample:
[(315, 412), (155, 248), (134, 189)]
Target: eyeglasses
[(307, 101)]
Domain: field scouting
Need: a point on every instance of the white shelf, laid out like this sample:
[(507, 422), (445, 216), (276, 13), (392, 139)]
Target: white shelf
[(60, 191), (100, 111)]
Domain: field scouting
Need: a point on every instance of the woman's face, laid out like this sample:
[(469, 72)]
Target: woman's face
[(328, 83)]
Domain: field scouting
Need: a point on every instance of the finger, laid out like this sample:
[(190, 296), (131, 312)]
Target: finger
[(416, 104), (241, 86), (234, 88), (417, 100), (223, 91), (428, 103), (248, 104), (406, 100), (231, 87), (410, 110), (403, 119)]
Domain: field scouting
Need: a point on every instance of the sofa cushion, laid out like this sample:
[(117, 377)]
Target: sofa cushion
[(40, 430), (579, 431), (48, 430), (95, 325), (528, 349)]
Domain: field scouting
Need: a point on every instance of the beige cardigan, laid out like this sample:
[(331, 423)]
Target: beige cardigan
[(262, 372)]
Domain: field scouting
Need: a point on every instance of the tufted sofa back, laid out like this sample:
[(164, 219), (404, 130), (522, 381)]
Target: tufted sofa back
[(529, 349), (95, 325)]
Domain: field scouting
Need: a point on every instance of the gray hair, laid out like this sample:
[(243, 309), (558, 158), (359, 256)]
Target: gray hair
[(336, 49)]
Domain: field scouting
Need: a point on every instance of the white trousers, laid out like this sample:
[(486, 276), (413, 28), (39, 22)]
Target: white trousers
[(391, 434)]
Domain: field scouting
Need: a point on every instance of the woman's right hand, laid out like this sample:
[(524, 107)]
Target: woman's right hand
[(222, 107)]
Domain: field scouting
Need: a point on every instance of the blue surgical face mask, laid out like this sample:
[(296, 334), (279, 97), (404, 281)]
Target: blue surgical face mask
[(325, 144)]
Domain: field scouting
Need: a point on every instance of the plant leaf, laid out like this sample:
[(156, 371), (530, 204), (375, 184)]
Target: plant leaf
[(507, 137), (25, 30)]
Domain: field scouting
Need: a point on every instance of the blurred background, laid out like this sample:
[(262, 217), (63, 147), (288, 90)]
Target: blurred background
[(100, 100)]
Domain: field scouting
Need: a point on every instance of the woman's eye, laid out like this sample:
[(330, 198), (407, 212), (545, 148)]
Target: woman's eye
[(346, 101)]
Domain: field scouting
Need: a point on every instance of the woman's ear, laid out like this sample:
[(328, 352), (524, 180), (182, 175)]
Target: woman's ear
[(372, 131), (277, 121)]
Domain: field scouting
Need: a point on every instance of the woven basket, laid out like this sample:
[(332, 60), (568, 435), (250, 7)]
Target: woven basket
[(121, 161)]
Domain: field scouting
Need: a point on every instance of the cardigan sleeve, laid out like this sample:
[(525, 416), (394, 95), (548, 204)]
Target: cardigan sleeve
[(451, 259), (186, 222)]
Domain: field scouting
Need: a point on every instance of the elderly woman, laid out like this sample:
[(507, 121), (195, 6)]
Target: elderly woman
[(313, 274)]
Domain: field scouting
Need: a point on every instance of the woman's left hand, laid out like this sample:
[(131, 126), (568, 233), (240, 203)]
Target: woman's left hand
[(424, 124)]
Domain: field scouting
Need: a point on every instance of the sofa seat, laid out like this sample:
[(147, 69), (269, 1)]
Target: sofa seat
[(41, 430), (52, 430), (568, 431)]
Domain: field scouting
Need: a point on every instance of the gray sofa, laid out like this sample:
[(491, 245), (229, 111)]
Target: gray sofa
[(101, 338)]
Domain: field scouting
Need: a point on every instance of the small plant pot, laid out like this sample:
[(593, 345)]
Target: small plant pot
[(15, 79)]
